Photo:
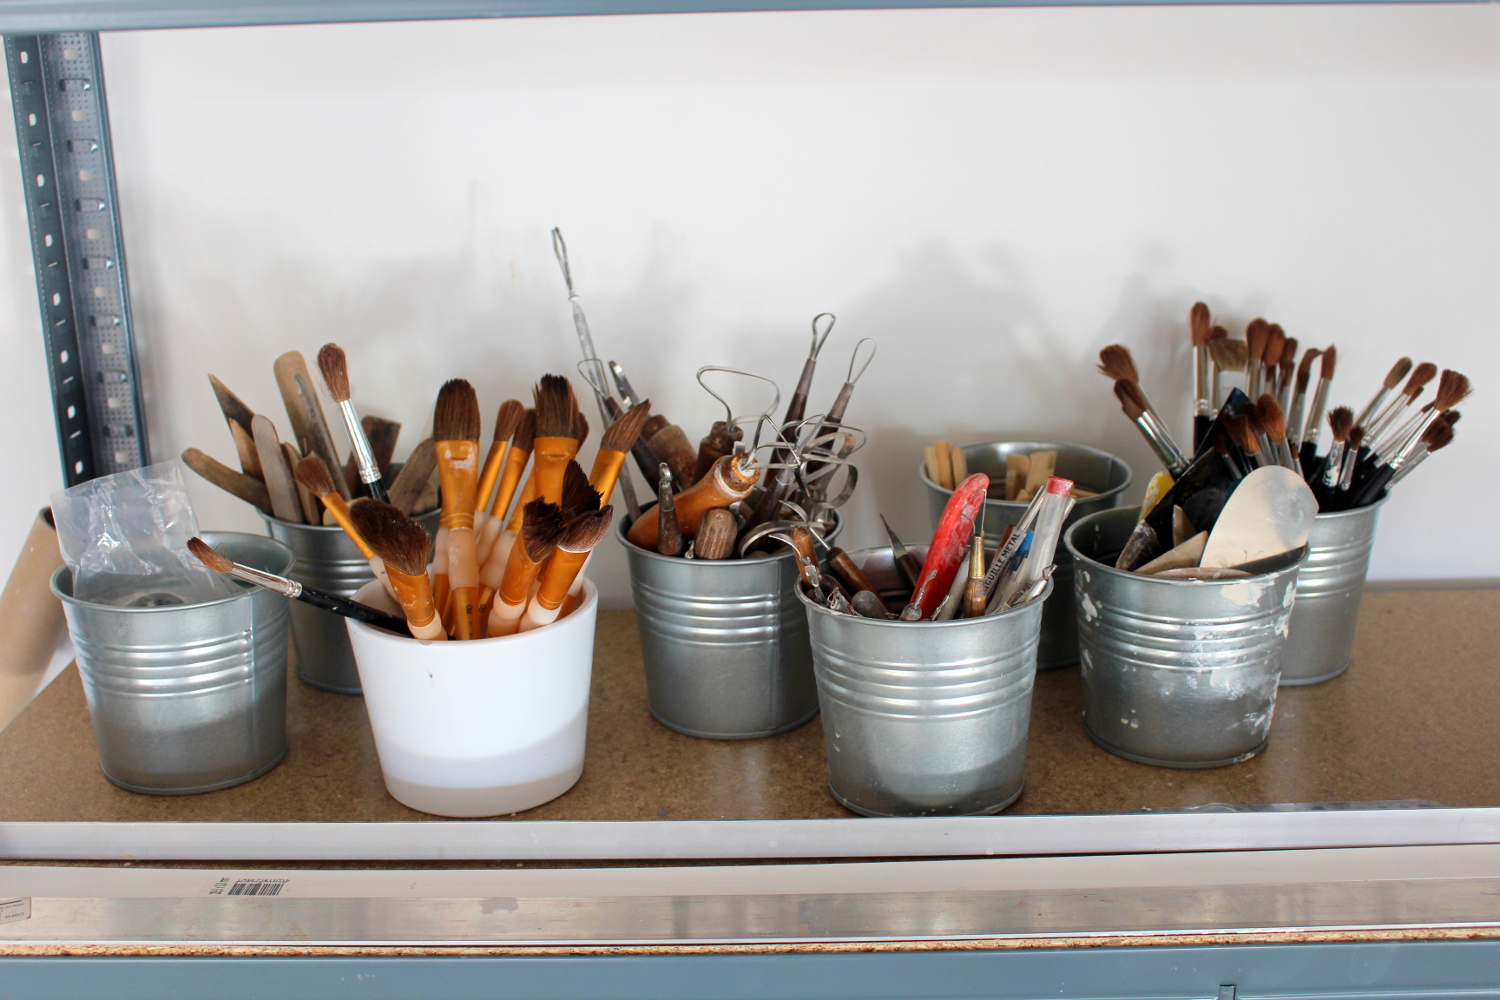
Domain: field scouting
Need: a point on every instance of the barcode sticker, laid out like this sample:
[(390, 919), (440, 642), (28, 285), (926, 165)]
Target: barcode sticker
[(15, 909), (248, 887)]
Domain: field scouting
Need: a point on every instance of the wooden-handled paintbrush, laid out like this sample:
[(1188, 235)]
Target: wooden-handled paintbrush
[(574, 547), (510, 481), (556, 436), (335, 368), (455, 430), (507, 419), (313, 475), (220, 563), (615, 445), (402, 544), (542, 525)]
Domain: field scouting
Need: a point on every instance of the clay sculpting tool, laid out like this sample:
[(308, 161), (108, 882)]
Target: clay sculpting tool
[(731, 479), (278, 473), (414, 476), (1270, 514), (252, 491)]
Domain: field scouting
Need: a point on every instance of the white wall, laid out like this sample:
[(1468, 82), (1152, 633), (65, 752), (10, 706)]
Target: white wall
[(991, 194)]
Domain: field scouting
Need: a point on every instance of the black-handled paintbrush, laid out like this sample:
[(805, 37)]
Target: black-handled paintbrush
[(335, 368), (220, 563)]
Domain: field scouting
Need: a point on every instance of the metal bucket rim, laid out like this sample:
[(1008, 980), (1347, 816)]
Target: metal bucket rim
[(1093, 563), (1353, 511), (622, 526), (590, 597), (896, 622), (300, 525), (212, 537), (1039, 446)]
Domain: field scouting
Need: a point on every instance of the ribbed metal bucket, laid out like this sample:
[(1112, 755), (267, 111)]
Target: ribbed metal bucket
[(327, 560), (1329, 587), (190, 698), (924, 718), (1090, 469), (1178, 673), (724, 642)]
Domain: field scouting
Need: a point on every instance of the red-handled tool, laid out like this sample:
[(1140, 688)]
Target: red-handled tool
[(950, 543)]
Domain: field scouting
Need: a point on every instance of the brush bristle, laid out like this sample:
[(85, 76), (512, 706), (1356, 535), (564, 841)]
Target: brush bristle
[(1229, 355), (1271, 417), (456, 415), (1115, 361), (312, 472), (512, 411), (1304, 370), (206, 555), (1201, 324), (580, 427), (398, 540), (525, 438), (621, 435), (1450, 418), (1289, 352), (1420, 376), (1217, 332), (1453, 389), (1329, 361), (541, 526), (1356, 438), (1398, 372), (577, 495), (1275, 342), (555, 406), (1438, 436), (1240, 432), (335, 368), (1256, 332), (1130, 397), (1252, 420), (586, 530), (1341, 422)]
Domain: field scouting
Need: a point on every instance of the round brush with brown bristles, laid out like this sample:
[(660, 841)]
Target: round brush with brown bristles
[(221, 563), (565, 567), (1435, 438), (1270, 359), (1201, 330), (334, 366), (1453, 388), (1308, 452), (1242, 432), (1257, 331), (1295, 415), (507, 419), (1392, 379), (1273, 424), (1420, 376), (403, 545), (1287, 371), (1227, 356), (313, 475), (1133, 402), (455, 431), (1340, 424), (542, 525)]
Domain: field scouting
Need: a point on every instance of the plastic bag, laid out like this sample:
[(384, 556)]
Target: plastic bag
[(125, 539)]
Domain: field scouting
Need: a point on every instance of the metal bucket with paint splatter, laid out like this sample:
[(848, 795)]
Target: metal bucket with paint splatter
[(1177, 673)]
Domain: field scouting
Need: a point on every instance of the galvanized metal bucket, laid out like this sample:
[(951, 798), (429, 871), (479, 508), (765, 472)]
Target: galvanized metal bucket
[(924, 718), (724, 642), (1090, 469), (187, 698), (1330, 584), (1177, 673), (327, 560)]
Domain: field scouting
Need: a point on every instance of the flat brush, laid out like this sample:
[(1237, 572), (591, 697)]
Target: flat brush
[(220, 563), (1227, 356), (574, 547), (542, 526), (507, 420), (335, 368), (455, 431), (1257, 332), (1308, 452), (1134, 403), (1201, 329), (1420, 376), (403, 545), (556, 437), (1295, 417)]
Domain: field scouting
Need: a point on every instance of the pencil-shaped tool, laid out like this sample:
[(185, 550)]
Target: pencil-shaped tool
[(975, 597), (1308, 453), (507, 419), (220, 563), (1201, 329), (1138, 409), (313, 475), (403, 545), (335, 368), (578, 540), (1420, 376), (1296, 414), (455, 429), (541, 526)]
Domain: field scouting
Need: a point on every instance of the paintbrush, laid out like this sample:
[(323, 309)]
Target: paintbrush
[(1286, 373), (615, 445), (455, 431), (1227, 356), (542, 526), (1116, 363), (1308, 452), (644, 456), (556, 436), (1392, 379), (1340, 425), (313, 475), (1296, 413), (1257, 331), (403, 545), (1453, 388), (1242, 433), (565, 567), (220, 563), (1273, 421), (732, 478), (1201, 330), (507, 419), (252, 491), (1270, 359), (1435, 438), (1138, 409), (1420, 376), (335, 368)]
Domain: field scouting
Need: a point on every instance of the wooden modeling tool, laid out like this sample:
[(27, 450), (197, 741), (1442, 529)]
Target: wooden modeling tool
[(252, 491)]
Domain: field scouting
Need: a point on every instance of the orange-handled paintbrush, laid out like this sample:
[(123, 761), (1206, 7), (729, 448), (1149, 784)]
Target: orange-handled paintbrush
[(455, 429), (541, 526), (566, 565), (403, 545)]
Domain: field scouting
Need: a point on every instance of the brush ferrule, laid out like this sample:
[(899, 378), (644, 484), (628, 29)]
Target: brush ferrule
[(1252, 379), (1161, 442), (1417, 458), (1371, 407), (1410, 446), (1201, 401), (1334, 467), (1314, 425), (1346, 475), (1395, 441), (270, 581), (364, 456)]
